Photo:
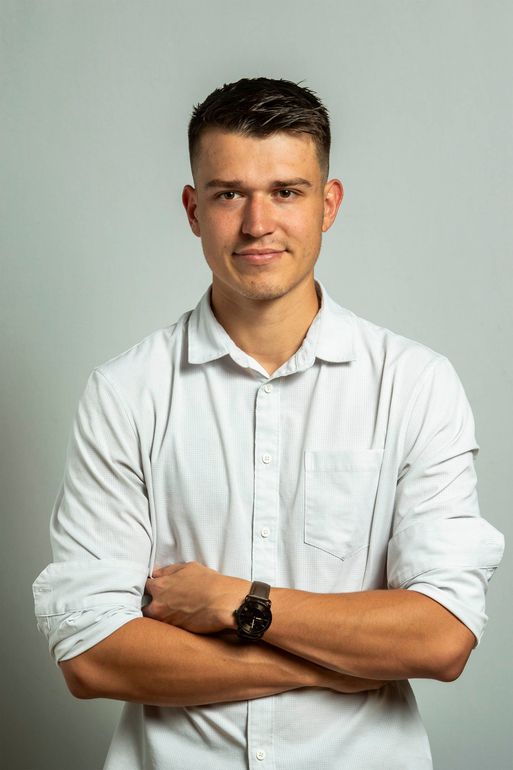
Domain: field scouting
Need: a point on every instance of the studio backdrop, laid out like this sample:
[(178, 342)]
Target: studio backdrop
[(96, 253)]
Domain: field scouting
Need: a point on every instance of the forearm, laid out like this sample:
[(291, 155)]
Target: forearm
[(394, 634), (146, 661)]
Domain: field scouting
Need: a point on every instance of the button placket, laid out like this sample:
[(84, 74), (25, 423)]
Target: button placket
[(260, 731), (266, 485), (265, 524)]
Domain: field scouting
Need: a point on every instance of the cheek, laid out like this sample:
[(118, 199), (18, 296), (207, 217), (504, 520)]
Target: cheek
[(218, 229), (217, 241), (306, 229), (306, 220)]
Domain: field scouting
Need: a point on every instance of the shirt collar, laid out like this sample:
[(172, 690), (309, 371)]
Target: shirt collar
[(330, 336)]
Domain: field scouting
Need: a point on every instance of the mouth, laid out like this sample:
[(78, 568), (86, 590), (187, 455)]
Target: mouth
[(258, 256)]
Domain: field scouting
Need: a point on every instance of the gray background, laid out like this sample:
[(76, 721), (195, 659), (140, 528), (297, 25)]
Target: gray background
[(96, 253)]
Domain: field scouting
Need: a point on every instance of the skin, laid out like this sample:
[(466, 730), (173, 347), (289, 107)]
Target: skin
[(266, 309), (382, 634), (185, 640)]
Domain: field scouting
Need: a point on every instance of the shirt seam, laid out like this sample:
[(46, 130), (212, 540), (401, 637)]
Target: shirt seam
[(73, 610), (415, 395), (122, 402), (450, 565)]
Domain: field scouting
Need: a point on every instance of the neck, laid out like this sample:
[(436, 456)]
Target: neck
[(269, 330)]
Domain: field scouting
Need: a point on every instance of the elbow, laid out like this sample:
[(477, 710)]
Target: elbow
[(449, 672), (453, 656), (73, 671)]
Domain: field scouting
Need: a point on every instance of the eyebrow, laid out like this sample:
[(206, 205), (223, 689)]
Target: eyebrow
[(230, 184)]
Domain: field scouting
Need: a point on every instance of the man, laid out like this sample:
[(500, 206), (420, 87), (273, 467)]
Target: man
[(291, 486)]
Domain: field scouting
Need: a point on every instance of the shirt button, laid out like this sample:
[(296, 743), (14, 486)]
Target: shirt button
[(268, 388), (260, 754), (266, 458), (265, 532)]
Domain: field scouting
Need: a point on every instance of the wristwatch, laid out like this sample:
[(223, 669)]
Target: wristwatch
[(254, 614)]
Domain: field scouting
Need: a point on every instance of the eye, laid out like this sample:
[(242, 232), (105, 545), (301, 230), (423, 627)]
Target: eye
[(228, 195), (286, 194)]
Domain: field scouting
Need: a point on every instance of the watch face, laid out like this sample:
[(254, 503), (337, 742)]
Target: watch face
[(254, 617)]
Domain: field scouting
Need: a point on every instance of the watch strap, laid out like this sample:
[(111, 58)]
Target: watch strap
[(260, 590)]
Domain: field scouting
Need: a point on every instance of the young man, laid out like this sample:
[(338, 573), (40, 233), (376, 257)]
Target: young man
[(290, 485)]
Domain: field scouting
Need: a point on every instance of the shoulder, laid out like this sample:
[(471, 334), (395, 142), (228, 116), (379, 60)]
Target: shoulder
[(413, 376), (147, 364), (393, 353)]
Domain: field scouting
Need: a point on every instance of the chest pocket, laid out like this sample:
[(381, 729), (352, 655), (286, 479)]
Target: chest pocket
[(340, 492)]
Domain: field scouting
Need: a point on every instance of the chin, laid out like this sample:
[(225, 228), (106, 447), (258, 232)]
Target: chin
[(263, 291)]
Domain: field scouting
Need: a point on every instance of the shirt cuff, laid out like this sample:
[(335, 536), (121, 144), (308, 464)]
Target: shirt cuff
[(451, 561), (448, 587), (79, 603)]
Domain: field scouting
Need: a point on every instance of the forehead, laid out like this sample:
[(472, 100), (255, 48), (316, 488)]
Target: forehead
[(231, 155)]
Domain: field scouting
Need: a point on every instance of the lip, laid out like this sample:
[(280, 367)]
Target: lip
[(257, 256)]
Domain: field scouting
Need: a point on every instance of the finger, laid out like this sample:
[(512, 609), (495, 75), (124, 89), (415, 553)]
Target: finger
[(149, 610), (150, 585), (168, 569)]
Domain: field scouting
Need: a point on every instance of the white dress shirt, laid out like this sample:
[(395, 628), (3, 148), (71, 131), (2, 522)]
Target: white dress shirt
[(350, 468)]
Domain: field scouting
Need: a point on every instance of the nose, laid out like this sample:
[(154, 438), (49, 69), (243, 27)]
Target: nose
[(258, 219)]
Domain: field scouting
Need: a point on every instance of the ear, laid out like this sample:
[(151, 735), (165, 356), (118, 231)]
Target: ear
[(189, 201), (333, 194)]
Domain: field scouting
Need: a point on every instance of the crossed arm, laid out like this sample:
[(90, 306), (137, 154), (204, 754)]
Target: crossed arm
[(183, 651)]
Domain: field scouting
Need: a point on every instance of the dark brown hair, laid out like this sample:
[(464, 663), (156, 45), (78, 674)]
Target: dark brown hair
[(260, 107)]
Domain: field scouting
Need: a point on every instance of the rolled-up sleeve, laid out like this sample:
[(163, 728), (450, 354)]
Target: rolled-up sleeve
[(441, 546), (100, 529)]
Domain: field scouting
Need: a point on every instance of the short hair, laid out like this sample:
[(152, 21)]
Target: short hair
[(261, 107)]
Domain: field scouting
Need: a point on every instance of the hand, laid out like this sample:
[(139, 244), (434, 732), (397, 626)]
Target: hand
[(352, 684), (194, 597)]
